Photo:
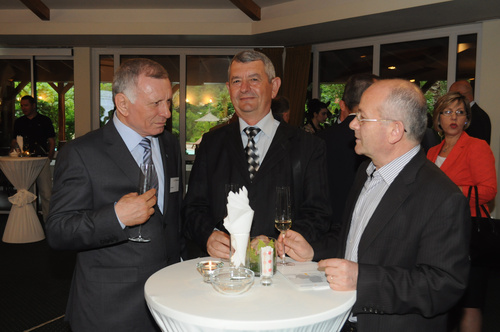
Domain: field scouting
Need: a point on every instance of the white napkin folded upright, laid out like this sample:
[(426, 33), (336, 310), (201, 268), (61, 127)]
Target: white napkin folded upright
[(238, 223), (20, 142)]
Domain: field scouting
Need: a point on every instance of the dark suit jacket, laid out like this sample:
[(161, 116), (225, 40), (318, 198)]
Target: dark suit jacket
[(295, 158), (342, 163), (480, 125), (91, 174), (413, 255)]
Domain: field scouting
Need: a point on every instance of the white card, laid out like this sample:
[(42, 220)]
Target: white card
[(174, 185)]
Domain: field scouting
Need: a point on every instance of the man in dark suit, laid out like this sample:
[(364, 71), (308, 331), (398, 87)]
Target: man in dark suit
[(480, 124), (286, 157), (95, 206), (405, 232), (341, 159)]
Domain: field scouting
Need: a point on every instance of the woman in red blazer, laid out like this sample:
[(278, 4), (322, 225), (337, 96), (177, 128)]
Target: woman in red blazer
[(468, 162)]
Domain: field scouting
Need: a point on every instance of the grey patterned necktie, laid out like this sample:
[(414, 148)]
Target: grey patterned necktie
[(251, 151), (147, 158)]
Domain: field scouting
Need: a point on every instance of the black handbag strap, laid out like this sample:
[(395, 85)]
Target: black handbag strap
[(478, 212)]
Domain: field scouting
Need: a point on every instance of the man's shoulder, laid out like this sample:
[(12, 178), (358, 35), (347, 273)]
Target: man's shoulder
[(479, 112), (427, 174)]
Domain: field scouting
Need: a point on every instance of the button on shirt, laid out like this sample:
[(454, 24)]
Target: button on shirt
[(268, 126), (132, 140), (376, 185)]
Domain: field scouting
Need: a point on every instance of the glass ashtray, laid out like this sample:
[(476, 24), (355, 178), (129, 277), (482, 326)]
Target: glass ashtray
[(232, 281)]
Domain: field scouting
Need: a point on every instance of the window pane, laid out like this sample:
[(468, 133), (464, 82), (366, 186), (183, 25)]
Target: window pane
[(335, 67), (171, 64), (466, 57), (207, 99), (15, 82), (55, 95), (424, 62)]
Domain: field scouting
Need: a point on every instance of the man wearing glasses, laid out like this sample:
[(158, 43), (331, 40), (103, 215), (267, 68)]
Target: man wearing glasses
[(403, 244)]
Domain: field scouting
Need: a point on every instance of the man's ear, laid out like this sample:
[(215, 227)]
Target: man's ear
[(397, 132), (276, 82), (122, 104)]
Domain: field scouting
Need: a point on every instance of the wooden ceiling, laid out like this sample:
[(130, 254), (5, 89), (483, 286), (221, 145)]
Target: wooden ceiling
[(249, 7)]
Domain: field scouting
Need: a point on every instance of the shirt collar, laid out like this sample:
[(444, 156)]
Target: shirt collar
[(129, 136), (266, 124), (390, 171)]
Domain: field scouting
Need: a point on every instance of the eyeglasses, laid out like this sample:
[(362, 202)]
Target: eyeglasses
[(361, 120), (450, 112)]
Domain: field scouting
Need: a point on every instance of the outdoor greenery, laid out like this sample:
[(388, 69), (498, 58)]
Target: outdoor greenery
[(47, 104), (333, 93)]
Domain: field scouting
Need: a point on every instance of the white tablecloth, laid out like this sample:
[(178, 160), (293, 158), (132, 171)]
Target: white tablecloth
[(22, 225), (180, 301)]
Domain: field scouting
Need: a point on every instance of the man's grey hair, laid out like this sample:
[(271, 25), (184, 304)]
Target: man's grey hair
[(127, 76), (406, 103), (250, 56)]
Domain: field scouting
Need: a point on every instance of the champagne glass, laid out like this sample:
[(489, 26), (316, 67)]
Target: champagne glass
[(145, 183), (283, 218)]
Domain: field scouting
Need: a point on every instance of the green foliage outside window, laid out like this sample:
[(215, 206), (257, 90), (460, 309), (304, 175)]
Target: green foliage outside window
[(47, 104)]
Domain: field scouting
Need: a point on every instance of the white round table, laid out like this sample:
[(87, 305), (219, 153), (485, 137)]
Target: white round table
[(23, 225), (180, 301)]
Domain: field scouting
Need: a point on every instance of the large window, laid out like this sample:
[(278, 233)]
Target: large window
[(427, 58), (335, 67), (50, 81), (424, 62), (207, 99)]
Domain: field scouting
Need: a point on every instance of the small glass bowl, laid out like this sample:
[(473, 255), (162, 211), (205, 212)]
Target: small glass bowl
[(207, 268), (232, 281)]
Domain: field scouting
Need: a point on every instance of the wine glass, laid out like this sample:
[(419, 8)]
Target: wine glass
[(283, 218), (145, 183)]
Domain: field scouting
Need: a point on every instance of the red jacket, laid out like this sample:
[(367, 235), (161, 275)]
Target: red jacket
[(470, 163)]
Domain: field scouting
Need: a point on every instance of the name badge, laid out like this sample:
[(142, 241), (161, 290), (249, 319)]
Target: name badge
[(174, 185)]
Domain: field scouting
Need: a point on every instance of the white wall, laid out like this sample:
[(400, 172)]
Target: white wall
[(489, 87)]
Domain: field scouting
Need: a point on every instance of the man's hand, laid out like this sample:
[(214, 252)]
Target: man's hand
[(218, 245), (341, 273), (134, 209), (295, 246)]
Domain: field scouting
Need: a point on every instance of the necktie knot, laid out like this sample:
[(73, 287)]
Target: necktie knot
[(252, 132)]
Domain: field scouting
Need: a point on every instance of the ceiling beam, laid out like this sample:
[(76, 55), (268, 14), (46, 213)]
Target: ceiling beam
[(39, 8), (250, 8)]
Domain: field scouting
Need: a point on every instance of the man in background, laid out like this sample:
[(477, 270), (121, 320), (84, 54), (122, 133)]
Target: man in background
[(280, 106), (341, 159), (39, 137), (480, 124), (96, 208), (406, 227), (260, 153)]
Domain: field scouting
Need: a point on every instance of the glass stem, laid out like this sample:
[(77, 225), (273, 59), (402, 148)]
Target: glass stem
[(283, 257)]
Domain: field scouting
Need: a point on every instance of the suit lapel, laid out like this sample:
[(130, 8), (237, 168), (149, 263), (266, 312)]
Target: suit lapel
[(168, 166), (388, 207), (236, 151), (278, 150), (120, 154)]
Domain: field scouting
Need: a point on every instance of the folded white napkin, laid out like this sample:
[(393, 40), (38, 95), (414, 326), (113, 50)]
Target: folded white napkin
[(238, 223), (20, 142)]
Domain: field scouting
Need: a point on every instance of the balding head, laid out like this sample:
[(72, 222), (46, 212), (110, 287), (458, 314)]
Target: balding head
[(464, 88)]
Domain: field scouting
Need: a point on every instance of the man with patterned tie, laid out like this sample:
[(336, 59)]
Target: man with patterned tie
[(260, 153), (96, 207)]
